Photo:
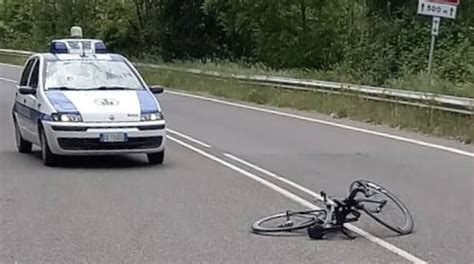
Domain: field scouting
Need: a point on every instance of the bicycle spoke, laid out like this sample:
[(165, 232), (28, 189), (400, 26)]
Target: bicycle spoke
[(286, 221), (308, 217), (384, 207)]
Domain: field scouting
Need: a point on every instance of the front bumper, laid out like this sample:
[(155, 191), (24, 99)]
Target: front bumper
[(84, 138)]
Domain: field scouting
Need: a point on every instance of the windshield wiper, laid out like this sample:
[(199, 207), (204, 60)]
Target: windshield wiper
[(113, 88), (64, 88), (102, 88)]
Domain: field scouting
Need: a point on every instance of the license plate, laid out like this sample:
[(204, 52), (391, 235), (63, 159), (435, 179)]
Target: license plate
[(113, 137)]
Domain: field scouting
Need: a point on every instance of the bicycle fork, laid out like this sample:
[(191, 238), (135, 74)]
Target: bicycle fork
[(319, 230)]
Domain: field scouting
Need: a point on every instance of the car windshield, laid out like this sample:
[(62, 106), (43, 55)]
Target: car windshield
[(90, 74)]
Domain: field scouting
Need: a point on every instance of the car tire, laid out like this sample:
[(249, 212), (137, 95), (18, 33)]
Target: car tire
[(156, 158), (49, 159), (22, 145)]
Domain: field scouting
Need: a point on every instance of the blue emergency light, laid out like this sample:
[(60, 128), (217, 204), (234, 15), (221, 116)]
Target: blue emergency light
[(100, 47), (77, 44), (58, 47)]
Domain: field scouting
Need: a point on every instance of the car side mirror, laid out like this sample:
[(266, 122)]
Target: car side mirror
[(157, 89), (26, 90)]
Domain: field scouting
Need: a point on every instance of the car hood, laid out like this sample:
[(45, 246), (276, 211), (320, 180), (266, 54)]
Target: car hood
[(104, 106)]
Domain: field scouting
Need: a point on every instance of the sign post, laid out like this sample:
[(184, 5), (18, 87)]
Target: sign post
[(437, 9), (434, 34)]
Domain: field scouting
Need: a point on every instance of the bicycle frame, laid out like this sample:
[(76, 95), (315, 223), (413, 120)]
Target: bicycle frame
[(337, 213)]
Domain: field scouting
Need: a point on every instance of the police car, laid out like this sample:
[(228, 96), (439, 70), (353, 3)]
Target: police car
[(79, 99)]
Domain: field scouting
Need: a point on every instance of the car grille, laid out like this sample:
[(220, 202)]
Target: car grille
[(95, 144), (83, 129), (69, 128)]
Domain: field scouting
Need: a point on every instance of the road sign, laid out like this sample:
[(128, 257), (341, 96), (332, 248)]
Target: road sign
[(435, 27), (438, 8), (447, 2)]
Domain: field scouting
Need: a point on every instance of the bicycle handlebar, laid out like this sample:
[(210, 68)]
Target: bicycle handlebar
[(355, 191)]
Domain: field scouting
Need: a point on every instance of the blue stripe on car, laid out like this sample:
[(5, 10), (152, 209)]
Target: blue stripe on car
[(147, 102), (60, 102), (30, 113)]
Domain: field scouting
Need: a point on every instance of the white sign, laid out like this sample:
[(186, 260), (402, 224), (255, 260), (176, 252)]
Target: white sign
[(430, 8), (435, 28)]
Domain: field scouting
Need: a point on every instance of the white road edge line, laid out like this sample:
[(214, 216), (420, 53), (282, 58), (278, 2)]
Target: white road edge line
[(11, 65), (319, 121), (200, 143), (351, 227), (7, 80), (297, 199), (273, 175)]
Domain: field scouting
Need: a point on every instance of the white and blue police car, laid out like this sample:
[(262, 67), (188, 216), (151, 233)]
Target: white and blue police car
[(79, 99)]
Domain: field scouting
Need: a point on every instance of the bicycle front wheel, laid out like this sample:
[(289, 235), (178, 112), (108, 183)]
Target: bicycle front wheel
[(384, 207), (288, 221)]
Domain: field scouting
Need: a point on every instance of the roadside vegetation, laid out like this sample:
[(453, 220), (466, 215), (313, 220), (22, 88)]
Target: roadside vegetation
[(438, 123), (380, 43), (12, 59), (417, 82)]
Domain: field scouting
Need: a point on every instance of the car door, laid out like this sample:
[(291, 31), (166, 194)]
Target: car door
[(23, 113), (32, 101)]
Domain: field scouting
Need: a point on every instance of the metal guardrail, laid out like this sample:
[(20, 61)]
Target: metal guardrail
[(19, 52), (461, 105)]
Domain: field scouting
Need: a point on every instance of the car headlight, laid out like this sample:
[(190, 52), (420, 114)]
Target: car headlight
[(74, 118), (152, 116)]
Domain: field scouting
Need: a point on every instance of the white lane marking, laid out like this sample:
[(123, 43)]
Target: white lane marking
[(319, 121), (11, 65), (273, 175), (297, 199), (351, 227), (189, 138), (7, 80)]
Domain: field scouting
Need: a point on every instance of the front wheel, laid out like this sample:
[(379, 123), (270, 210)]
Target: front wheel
[(49, 159), (156, 158), (288, 221), (384, 207), (22, 145)]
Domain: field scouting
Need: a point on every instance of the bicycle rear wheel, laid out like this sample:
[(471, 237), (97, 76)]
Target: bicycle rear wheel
[(288, 221), (384, 207)]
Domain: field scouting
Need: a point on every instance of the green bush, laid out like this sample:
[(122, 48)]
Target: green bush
[(369, 42)]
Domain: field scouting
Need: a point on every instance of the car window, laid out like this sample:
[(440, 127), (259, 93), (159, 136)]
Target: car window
[(26, 72), (34, 76), (90, 74)]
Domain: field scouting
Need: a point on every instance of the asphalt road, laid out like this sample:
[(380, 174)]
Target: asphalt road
[(197, 208)]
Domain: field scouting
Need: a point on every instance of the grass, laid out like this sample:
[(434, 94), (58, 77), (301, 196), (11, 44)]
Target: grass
[(422, 120), (438, 85), (12, 59), (433, 122), (420, 82)]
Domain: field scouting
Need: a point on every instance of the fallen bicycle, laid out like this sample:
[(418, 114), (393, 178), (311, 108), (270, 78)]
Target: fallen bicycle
[(364, 196)]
